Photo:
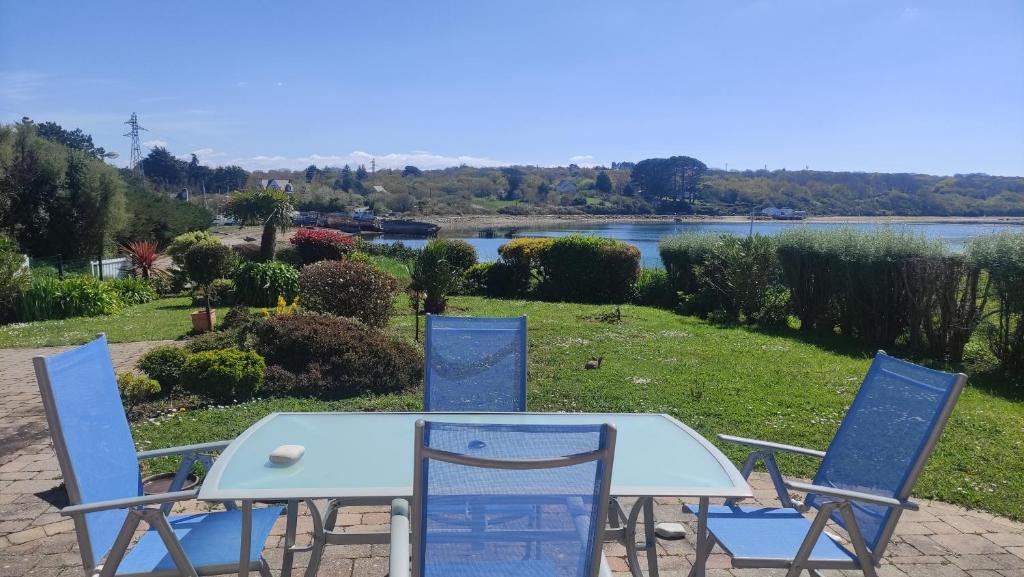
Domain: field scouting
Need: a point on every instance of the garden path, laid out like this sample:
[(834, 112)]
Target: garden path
[(939, 540)]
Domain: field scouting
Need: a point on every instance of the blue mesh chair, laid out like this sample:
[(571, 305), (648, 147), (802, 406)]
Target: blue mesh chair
[(475, 364), (101, 473), (562, 471), (863, 484)]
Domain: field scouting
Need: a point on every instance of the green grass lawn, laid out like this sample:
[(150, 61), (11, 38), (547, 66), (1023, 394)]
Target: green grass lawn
[(159, 320), (715, 379)]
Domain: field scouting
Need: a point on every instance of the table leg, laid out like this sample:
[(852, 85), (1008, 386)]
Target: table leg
[(319, 539), (702, 548), (291, 522), (645, 505), (650, 540), (245, 549)]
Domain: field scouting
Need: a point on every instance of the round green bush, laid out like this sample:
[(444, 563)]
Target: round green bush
[(223, 375), (181, 243), (333, 357), (476, 279), (164, 364), (135, 387), (461, 255), (349, 289)]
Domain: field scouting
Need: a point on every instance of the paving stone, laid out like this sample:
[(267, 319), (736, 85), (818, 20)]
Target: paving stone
[(967, 544)]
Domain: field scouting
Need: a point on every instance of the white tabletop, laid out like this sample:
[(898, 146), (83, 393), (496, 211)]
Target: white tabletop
[(371, 455)]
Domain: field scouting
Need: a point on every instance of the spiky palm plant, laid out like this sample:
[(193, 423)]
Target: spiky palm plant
[(144, 257), (270, 208)]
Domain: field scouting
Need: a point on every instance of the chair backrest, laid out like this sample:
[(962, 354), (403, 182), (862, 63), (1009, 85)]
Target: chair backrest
[(886, 438), (475, 364), (510, 499), (91, 438)]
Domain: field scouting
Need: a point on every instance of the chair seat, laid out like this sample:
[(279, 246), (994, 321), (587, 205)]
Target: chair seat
[(763, 537), (527, 568), (211, 541)]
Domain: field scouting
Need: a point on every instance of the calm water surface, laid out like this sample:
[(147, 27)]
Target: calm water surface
[(646, 236)]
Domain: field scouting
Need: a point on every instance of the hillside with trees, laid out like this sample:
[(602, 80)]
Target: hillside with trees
[(676, 185)]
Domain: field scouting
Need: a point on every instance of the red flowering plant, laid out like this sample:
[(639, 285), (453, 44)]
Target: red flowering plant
[(316, 244), (143, 257)]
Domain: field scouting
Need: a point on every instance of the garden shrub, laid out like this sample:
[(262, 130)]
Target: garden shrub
[(589, 269), (349, 289), (13, 278), (214, 340), (222, 293), (857, 280), (135, 387), (181, 243), (332, 357), (288, 255), (727, 277), (248, 252), (476, 279), (653, 289), (681, 253), (461, 254), (223, 375), (1002, 256), (236, 317), (436, 274), (133, 290), (259, 284), (395, 250), (316, 244), (163, 364), (522, 267), (48, 298)]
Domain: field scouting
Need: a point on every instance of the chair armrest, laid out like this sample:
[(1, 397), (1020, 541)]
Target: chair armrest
[(399, 560), (169, 451), (769, 446), (129, 502), (850, 495)]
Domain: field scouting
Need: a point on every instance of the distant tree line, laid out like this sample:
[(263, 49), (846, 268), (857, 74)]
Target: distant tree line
[(675, 185)]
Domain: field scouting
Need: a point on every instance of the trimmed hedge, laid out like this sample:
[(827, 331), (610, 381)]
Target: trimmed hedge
[(1002, 256), (520, 269), (331, 357), (317, 244), (589, 269), (349, 289), (224, 375)]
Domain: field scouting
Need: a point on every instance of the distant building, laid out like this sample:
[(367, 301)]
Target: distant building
[(380, 189), (282, 184), (771, 211), (566, 186)]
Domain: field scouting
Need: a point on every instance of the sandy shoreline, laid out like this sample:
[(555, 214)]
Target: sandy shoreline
[(476, 222)]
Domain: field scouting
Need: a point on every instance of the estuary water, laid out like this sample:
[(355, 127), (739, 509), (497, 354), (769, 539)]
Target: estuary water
[(646, 236)]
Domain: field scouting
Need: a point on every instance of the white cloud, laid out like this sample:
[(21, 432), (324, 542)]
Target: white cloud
[(582, 159), (420, 159), (155, 143), (911, 13)]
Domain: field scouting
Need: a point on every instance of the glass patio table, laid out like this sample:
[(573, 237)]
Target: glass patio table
[(368, 458)]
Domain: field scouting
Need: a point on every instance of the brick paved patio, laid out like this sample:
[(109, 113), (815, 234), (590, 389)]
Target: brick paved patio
[(939, 540)]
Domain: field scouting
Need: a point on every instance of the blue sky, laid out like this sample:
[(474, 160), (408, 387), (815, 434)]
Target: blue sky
[(926, 86)]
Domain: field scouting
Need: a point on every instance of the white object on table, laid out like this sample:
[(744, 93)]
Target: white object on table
[(287, 454)]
